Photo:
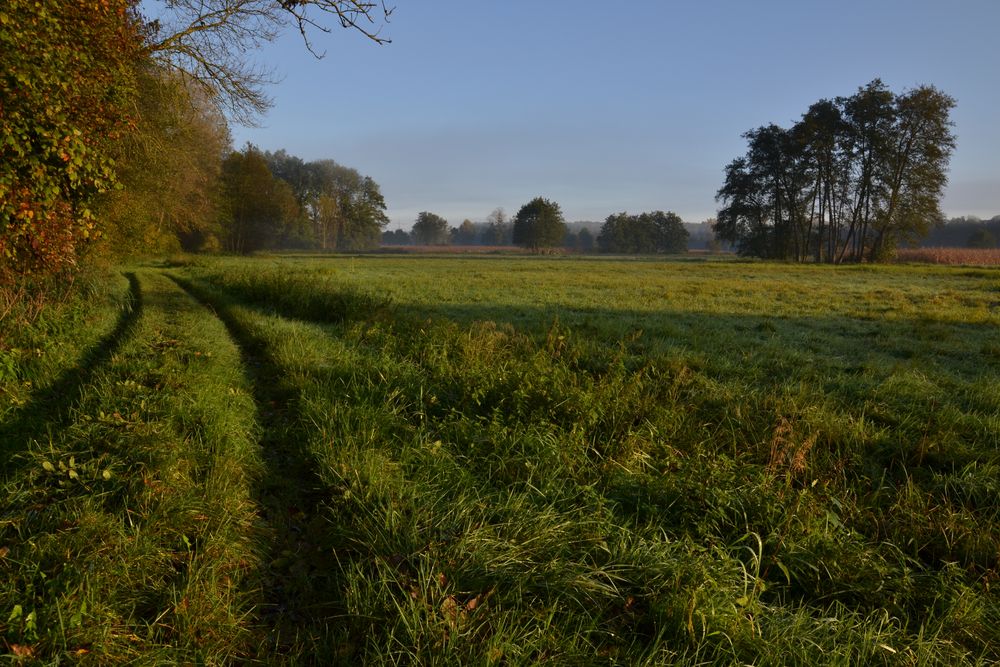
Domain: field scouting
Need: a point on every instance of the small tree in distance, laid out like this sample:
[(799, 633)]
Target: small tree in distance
[(539, 224), (464, 234), (430, 229), (655, 232), (498, 229)]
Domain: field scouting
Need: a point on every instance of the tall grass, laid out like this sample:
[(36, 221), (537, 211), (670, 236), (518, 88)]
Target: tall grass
[(127, 526), (507, 461), (960, 256), (724, 486)]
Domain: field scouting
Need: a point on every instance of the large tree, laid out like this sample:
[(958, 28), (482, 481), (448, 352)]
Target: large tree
[(209, 41), (79, 93), (849, 182), (169, 166), (344, 209), (259, 206), (539, 224)]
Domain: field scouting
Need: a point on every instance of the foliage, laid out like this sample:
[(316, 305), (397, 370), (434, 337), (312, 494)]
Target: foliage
[(259, 205), (429, 229), (981, 238), (539, 224), (170, 167), (464, 234), (339, 209), (957, 232), (61, 109), (850, 181), (396, 237), (655, 232)]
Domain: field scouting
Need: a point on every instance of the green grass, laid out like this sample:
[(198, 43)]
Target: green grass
[(127, 523), (416, 460)]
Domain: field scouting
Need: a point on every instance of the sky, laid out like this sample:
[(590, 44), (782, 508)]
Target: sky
[(607, 106)]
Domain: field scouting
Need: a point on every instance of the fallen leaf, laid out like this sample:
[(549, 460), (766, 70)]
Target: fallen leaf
[(22, 651)]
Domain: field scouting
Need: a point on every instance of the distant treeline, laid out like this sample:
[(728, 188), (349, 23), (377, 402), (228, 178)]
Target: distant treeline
[(620, 233), (966, 232)]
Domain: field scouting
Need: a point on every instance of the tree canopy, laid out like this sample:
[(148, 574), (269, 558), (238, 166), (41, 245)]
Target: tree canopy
[(276, 200), (430, 229), (655, 232), (62, 107), (112, 127), (208, 41), (851, 180), (539, 224)]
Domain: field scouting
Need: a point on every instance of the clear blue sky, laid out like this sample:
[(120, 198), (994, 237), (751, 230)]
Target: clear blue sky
[(611, 106)]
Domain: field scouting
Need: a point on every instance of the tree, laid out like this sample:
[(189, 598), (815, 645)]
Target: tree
[(464, 234), (981, 238), (169, 166), (67, 89), (208, 41), (340, 208), (655, 232), (539, 224), (429, 229), (365, 218), (259, 205), (585, 240), (850, 181), (498, 229), (395, 237)]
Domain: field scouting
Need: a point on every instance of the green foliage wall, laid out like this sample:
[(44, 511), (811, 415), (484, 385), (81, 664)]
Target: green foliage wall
[(66, 90)]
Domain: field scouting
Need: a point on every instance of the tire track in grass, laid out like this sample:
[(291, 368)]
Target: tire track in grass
[(128, 534), (51, 409), (299, 594)]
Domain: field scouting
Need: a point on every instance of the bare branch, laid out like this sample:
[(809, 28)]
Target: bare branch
[(210, 41)]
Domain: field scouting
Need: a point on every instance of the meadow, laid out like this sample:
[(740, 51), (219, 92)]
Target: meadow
[(505, 460)]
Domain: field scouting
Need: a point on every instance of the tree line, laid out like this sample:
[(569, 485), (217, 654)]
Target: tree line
[(277, 200), (855, 177), (540, 225), (123, 147), (114, 135), (965, 232)]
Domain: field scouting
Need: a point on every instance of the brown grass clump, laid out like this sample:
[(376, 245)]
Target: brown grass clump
[(974, 256), (787, 453)]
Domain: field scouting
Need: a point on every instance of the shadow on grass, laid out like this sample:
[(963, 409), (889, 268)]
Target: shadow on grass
[(298, 584), (51, 408)]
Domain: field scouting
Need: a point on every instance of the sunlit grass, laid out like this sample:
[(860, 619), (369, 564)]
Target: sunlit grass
[(643, 461), (487, 460)]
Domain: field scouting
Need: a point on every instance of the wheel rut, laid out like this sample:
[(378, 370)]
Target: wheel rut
[(51, 409), (298, 591)]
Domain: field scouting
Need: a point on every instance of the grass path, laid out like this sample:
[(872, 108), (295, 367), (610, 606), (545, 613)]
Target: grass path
[(127, 527), (298, 591)]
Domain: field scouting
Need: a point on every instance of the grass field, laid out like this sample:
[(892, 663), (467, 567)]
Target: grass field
[(503, 460)]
